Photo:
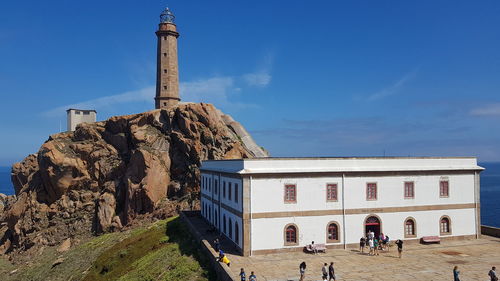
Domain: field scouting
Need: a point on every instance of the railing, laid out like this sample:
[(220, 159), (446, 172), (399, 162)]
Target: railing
[(490, 231)]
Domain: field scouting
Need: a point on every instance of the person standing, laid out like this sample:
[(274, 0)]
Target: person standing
[(324, 270), (331, 272), (493, 274), (216, 244), (386, 243), (399, 242), (375, 246), (252, 277), (302, 270), (370, 244), (456, 274), (362, 242), (243, 276)]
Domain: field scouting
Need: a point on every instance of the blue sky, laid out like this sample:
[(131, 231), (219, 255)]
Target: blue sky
[(306, 78)]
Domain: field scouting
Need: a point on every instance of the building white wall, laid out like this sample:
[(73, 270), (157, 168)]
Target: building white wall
[(78, 116), (390, 190), (268, 233), (236, 199), (427, 223), (212, 186), (267, 195), (234, 219)]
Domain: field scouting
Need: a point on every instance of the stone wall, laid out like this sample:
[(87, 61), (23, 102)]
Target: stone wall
[(223, 273)]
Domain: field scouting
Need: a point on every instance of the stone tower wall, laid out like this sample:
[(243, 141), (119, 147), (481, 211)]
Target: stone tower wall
[(167, 73)]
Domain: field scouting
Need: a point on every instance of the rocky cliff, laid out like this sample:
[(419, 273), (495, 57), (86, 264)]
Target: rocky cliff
[(110, 174)]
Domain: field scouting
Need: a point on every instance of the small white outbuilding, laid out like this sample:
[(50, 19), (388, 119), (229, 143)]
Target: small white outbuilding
[(77, 116)]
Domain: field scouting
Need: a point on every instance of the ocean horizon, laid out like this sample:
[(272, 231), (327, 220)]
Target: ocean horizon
[(490, 191)]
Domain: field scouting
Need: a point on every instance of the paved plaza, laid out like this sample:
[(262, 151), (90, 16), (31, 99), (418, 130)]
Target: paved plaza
[(420, 262)]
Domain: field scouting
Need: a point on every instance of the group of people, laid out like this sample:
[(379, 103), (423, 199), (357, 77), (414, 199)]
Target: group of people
[(222, 256), (224, 259), (243, 276), (328, 272), (374, 243), (492, 274)]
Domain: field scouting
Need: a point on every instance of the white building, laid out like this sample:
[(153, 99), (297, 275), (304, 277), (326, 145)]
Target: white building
[(268, 205), (77, 116)]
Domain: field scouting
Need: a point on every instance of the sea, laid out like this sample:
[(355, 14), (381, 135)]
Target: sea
[(490, 191)]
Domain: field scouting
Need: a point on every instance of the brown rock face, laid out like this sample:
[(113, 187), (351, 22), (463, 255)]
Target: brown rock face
[(105, 174)]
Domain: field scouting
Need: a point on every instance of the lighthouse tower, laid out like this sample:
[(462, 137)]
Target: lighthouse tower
[(167, 71)]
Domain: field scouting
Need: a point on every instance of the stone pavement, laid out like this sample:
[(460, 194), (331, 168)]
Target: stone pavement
[(474, 259)]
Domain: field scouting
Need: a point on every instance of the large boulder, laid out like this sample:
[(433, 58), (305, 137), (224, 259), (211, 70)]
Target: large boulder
[(105, 175)]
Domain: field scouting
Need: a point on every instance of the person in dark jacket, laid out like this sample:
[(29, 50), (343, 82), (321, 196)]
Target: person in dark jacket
[(331, 272), (456, 274)]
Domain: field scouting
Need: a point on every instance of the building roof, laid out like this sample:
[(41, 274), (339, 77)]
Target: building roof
[(341, 164), (68, 110)]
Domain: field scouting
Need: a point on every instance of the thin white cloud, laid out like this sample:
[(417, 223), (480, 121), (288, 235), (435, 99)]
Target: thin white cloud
[(216, 90), (261, 79), (486, 110), (145, 94), (213, 90), (394, 88), (219, 90)]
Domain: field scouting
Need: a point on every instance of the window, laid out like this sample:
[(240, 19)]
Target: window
[(290, 193), (224, 223), (215, 217), (291, 235), (164, 37), (209, 213), (77, 112), (229, 191), (230, 229), (236, 192), (332, 232), (444, 188), (209, 185), (331, 192), (164, 87), (164, 54), (371, 191), (444, 226), (164, 71), (216, 187), (224, 189), (236, 233), (410, 228), (164, 104), (86, 113), (409, 190)]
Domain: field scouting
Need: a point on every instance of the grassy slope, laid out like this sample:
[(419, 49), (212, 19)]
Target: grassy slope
[(162, 251)]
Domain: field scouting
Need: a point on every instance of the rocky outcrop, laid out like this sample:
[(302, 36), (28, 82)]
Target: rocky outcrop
[(105, 175)]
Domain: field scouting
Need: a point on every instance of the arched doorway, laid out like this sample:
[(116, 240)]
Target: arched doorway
[(373, 223)]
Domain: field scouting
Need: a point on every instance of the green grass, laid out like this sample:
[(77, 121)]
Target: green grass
[(164, 251), (76, 261), (161, 251)]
